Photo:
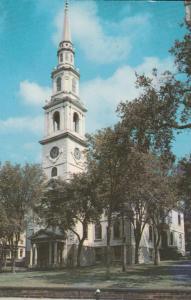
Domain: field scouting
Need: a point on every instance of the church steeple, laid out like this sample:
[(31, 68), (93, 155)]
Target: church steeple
[(65, 76), (64, 140), (66, 31), (66, 50)]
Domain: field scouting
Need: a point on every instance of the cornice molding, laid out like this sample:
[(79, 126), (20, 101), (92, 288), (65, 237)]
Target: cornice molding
[(56, 101), (63, 135), (64, 68)]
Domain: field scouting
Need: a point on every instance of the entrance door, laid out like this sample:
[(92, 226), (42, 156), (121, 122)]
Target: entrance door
[(164, 239), (42, 255)]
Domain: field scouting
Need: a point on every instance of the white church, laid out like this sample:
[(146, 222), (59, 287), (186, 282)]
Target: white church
[(63, 145)]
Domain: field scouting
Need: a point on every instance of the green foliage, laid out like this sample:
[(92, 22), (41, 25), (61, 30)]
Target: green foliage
[(20, 188), (163, 106), (68, 203), (184, 185)]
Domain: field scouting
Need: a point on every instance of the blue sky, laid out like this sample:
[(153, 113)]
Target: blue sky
[(113, 39)]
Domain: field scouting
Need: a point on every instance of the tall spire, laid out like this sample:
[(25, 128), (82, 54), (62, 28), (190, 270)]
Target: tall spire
[(66, 34)]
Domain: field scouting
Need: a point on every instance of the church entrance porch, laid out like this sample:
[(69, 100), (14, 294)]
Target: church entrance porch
[(46, 250)]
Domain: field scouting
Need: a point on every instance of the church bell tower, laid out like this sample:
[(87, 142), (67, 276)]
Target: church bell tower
[(64, 137)]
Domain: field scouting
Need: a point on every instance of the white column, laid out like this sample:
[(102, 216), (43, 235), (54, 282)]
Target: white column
[(47, 129), (67, 117), (65, 252), (62, 118), (70, 119), (50, 254), (55, 253), (31, 257), (34, 255)]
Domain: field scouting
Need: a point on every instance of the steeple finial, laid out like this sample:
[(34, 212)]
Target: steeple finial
[(67, 34)]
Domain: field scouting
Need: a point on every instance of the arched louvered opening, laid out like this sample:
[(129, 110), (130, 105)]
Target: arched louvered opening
[(76, 122), (58, 84), (56, 121)]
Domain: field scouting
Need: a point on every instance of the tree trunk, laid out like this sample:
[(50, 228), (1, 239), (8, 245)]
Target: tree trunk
[(80, 245), (156, 247), (1, 262), (13, 255), (136, 253), (124, 267), (156, 256), (124, 256), (108, 258), (13, 260)]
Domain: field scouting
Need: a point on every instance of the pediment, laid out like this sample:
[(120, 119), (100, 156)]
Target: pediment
[(43, 234)]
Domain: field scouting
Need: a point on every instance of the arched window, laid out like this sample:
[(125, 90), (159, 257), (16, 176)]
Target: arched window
[(61, 57), (98, 231), (116, 230), (150, 233), (54, 172), (76, 122), (56, 121), (171, 238), (58, 84), (74, 85)]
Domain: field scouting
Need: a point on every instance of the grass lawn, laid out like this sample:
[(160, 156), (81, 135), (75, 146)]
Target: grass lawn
[(166, 275)]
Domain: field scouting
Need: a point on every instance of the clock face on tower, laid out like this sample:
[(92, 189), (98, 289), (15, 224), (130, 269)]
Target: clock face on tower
[(54, 152)]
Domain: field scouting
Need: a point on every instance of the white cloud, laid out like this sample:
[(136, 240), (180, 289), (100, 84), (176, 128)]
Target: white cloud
[(91, 34), (34, 94), (22, 124), (102, 96)]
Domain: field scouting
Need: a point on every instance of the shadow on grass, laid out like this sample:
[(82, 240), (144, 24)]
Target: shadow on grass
[(170, 274)]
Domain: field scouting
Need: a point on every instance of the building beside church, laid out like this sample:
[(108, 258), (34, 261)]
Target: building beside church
[(187, 4), (63, 145)]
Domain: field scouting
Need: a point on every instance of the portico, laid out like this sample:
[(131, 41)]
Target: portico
[(47, 249)]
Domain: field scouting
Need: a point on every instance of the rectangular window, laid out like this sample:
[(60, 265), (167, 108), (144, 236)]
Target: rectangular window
[(98, 231), (117, 252), (150, 233), (66, 56), (117, 230), (86, 232), (21, 253), (180, 240), (99, 254), (179, 219)]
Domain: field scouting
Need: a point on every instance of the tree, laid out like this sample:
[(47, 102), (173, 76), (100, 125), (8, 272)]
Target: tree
[(20, 188), (149, 193), (163, 106), (151, 120), (163, 198), (136, 195), (184, 190), (184, 184), (108, 156), (3, 236), (70, 204)]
